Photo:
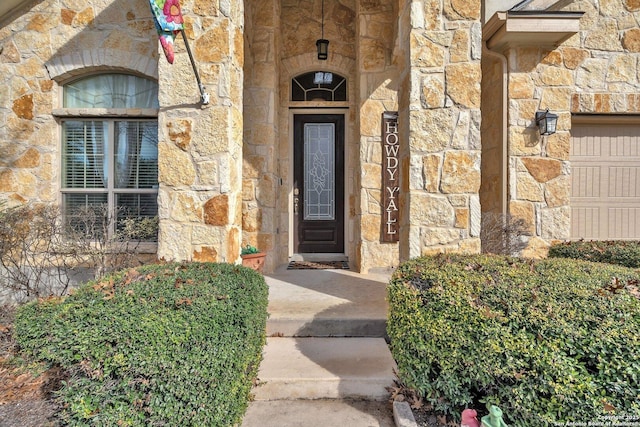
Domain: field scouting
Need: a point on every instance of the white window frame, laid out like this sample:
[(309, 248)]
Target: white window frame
[(110, 116)]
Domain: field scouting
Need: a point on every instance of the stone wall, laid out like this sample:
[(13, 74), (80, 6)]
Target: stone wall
[(421, 57), (211, 179), (538, 165), (377, 93), (260, 182), (41, 47), (595, 71), (603, 58), (200, 146), (442, 121)]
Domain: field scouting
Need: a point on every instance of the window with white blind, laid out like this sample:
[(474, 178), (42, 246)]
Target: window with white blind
[(110, 156)]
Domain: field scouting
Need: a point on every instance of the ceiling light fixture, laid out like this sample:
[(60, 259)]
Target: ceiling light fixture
[(322, 44)]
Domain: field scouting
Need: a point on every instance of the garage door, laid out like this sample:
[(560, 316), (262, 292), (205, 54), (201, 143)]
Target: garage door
[(605, 190)]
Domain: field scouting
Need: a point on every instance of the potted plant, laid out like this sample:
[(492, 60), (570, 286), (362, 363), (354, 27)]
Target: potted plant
[(253, 258)]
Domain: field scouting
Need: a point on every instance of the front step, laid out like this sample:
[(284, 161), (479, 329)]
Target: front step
[(326, 327), (325, 368), (326, 303)]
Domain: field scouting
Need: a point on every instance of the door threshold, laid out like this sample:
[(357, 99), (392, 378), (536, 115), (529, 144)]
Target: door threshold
[(318, 257)]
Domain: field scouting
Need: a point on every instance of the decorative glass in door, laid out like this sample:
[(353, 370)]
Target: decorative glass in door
[(318, 183), (319, 172)]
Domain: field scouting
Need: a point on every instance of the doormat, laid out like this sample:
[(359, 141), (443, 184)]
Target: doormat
[(318, 265)]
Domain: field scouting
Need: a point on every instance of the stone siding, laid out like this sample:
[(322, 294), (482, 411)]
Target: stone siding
[(260, 180), (225, 168), (200, 146), (377, 92), (440, 114), (44, 46), (51, 43), (603, 59), (594, 71)]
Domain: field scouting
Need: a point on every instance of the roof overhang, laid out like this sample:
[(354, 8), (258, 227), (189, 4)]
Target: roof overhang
[(530, 28), (8, 7), (541, 5)]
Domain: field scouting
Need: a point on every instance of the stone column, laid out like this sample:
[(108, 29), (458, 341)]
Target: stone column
[(539, 179), (440, 116), (377, 94), (259, 175), (200, 146)]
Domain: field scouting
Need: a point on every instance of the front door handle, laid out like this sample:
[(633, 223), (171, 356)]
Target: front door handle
[(296, 201)]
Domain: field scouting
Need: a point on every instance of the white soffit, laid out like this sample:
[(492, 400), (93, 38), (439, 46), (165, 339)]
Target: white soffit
[(7, 7), (530, 28), (540, 5)]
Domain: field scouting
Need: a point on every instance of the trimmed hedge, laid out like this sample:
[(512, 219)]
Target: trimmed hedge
[(549, 341), (620, 252), (170, 344)]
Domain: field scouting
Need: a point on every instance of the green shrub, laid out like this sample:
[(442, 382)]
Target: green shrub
[(551, 341), (170, 344), (248, 250), (620, 252)]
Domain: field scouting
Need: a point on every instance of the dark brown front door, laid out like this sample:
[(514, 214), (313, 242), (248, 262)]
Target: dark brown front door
[(318, 184)]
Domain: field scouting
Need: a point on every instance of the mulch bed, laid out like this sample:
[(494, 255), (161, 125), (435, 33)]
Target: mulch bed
[(26, 393), (423, 413)]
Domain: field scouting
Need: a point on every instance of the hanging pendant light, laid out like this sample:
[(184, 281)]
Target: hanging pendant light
[(322, 44)]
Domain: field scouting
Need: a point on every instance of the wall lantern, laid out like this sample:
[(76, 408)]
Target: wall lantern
[(546, 122), (322, 44)]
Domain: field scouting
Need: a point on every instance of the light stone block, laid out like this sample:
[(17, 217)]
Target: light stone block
[(527, 188), (475, 215), (555, 223), (417, 14), (432, 210), (440, 236)]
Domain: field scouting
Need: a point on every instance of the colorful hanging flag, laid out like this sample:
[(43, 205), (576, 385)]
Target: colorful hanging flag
[(168, 19)]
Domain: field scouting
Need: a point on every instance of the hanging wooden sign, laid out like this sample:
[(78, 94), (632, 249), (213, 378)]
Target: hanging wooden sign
[(390, 177)]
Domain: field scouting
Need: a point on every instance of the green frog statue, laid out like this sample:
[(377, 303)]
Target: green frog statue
[(494, 419)]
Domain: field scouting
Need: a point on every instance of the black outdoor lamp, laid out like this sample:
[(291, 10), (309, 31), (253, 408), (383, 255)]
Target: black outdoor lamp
[(322, 44), (323, 48), (546, 122)]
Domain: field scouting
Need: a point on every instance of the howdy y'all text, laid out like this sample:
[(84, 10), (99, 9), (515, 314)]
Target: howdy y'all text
[(390, 176)]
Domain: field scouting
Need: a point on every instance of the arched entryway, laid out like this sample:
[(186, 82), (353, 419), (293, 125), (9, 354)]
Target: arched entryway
[(280, 46)]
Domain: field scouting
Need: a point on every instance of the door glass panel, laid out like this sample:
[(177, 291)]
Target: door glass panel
[(319, 172)]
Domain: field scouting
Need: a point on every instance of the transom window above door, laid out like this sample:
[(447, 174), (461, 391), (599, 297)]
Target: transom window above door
[(319, 86), (110, 163)]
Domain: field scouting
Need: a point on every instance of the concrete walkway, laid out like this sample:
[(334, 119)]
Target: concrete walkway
[(319, 413), (326, 362), (326, 303)]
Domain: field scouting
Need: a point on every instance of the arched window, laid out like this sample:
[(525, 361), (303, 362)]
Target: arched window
[(111, 91), (110, 156), (319, 86)]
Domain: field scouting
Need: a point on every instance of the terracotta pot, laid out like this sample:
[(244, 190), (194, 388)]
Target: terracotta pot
[(254, 261)]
